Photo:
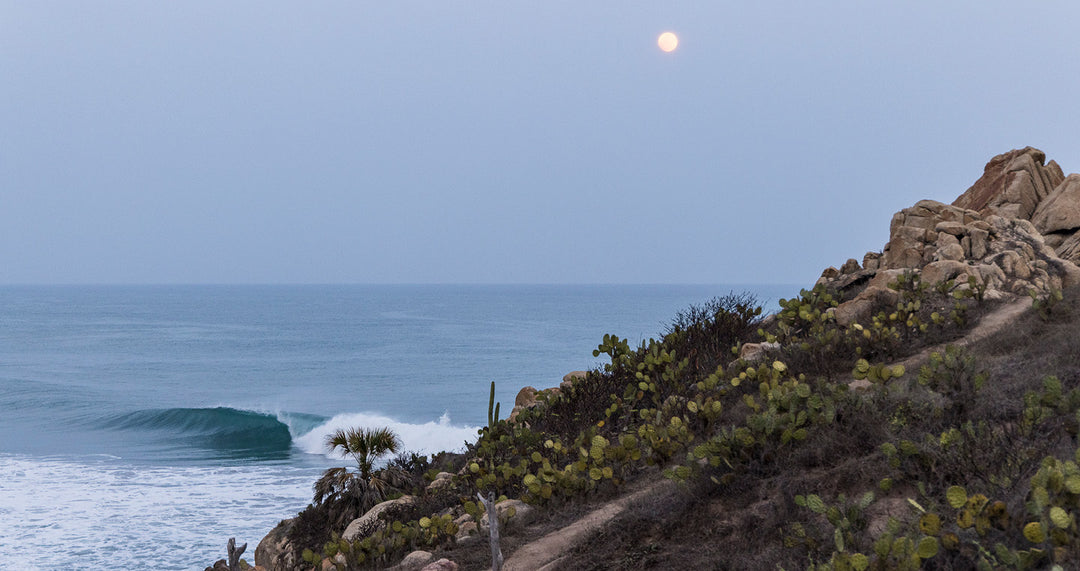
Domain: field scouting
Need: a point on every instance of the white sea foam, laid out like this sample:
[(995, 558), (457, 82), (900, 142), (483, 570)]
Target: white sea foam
[(427, 438), (102, 513)]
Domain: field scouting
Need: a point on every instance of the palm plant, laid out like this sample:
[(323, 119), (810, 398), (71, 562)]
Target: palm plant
[(351, 493)]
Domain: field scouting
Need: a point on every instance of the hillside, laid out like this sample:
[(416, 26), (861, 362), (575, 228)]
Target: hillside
[(917, 409)]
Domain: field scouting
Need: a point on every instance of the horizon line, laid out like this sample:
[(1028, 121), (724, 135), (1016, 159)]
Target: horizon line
[(234, 284)]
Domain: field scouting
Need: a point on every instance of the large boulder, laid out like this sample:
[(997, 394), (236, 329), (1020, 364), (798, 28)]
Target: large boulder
[(943, 270), (414, 561), (861, 309), (572, 377), (525, 397), (515, 513), (1060, 211), (1070, 249), (1012, 184), (370, 522), (275, 551)]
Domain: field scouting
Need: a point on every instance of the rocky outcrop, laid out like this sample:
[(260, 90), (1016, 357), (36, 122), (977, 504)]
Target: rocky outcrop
[(926, 232), (275, 551), (1012, 185), (1058, 217), (1016, 229), (370, 522)]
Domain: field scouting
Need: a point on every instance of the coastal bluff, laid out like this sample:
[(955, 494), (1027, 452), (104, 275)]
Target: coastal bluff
[(1014, 233)]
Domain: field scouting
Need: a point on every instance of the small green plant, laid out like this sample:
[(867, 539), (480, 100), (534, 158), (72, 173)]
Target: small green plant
[(493, 408), (1044, 303), (955, 376), (876, 373)]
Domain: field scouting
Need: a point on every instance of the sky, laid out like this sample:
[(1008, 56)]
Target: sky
[(504, 141)]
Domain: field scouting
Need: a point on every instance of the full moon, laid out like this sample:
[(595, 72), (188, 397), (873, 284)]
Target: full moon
[(668, 41)]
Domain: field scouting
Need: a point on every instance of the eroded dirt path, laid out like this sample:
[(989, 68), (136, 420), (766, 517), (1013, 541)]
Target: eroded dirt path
[(548, 552), (990, 323)]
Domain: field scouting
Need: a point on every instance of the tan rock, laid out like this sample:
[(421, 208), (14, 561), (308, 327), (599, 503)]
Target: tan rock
[(442, 480), (1060, 211), (950, 227), (913, 228), (443, 564), (905, 248), (853, 311), (991, 275), (979, 238), (572, 377), (1021, 287), (944, 240), (943, 270), (830, 273), (467, 531), (756, 351), (1009, 261), (951, 252), (883, 278), (909, 234), (525, 397), (370, 522), (1070, 274), (1056, 239), (860, 385), (871, 261), (414, 561), (1012, 184), (850, 266), (860, 309), (275, 551), (523, 514)]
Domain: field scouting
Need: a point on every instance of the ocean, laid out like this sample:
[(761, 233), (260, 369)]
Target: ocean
[(146, 425)]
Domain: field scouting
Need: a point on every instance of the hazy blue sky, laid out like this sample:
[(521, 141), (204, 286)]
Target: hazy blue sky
[(500, 141)]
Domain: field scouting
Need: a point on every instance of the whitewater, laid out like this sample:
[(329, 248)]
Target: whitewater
[(146, 425)]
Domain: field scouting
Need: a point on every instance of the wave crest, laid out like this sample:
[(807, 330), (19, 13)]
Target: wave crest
[(426, 438), (238, 432), (220, 428)]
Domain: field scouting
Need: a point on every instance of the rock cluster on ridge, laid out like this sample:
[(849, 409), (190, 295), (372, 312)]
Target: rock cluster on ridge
[(1015, 230)]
